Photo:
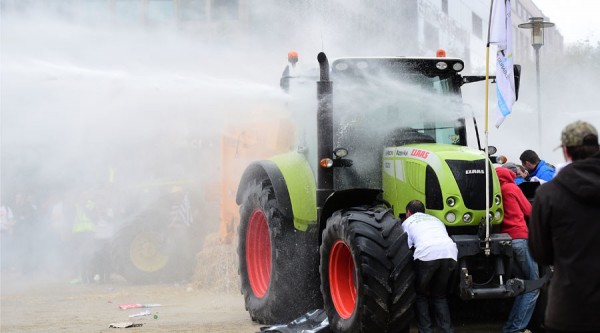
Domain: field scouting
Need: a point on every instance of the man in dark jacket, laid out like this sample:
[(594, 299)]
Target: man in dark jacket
[(565, 232)]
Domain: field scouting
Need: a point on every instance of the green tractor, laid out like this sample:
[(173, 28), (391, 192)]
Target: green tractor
[(159, 232), (161, 207), (320, 227)]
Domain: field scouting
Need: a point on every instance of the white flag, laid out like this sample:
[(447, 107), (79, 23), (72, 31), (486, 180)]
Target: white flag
[(501, 35)]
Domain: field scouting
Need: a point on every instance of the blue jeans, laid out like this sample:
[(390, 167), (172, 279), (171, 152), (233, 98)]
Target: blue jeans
[(524, 304)]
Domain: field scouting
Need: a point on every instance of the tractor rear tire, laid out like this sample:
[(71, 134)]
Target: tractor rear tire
[(148, 251), (367, 278), (278, 265)]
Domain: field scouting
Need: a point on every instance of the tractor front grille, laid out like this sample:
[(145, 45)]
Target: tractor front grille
[(470, 178)]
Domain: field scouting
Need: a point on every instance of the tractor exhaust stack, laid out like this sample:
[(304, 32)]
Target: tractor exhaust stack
[(324, 131)]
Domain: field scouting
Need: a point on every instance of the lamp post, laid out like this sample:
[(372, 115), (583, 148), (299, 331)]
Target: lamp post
[(537, 26)]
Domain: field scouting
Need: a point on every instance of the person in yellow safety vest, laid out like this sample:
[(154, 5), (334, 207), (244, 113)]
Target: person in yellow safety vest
[(83, 236), (180, 211), (83, 222)]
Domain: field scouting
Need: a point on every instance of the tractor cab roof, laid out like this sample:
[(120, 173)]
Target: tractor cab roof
[(427, 66)]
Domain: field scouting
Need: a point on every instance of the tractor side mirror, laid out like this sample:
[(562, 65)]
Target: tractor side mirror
[(284, 82)]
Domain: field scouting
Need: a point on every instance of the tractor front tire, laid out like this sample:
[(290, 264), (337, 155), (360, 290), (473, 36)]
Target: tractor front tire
[(367, 279), (278, 265)]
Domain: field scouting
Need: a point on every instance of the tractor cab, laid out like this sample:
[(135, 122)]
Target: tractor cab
[(402, 121)]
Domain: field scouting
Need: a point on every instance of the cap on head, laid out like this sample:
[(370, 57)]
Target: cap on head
[(510, 166), (573, 135)]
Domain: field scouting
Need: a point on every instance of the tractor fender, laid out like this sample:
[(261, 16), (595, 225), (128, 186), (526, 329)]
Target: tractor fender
[(346, 199), (266, 170), (293, 183)]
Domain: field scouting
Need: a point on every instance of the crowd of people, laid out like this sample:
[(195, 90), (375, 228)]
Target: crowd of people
[(56, 236), (69, 235), (561, 231)]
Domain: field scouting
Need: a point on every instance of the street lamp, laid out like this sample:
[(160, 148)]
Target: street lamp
[(537, 26)]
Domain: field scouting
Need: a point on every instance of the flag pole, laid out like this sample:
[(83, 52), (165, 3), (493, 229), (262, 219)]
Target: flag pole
[(487, 164)]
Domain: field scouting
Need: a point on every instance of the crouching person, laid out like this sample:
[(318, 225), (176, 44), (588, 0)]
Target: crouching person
[(434, 261)]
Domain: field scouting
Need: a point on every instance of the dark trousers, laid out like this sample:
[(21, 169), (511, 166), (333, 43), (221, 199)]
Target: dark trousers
[(432, 285), (101, 259), (84, 249)]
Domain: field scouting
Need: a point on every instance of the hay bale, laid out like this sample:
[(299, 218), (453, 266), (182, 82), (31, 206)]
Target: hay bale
[(217, 269)]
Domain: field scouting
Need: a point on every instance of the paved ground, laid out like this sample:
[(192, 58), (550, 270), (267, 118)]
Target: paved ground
[(58, 306), (63, 307)]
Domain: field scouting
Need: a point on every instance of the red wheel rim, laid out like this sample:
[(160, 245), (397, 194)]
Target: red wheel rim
[(341, 279), (258, 253)]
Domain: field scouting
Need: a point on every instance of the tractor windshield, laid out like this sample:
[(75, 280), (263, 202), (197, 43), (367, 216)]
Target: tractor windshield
[(382, 102), (387, 96)]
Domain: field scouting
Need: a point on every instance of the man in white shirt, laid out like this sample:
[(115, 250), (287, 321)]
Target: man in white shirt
[(434, 261)]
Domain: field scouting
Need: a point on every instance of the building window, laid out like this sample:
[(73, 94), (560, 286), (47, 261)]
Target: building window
[(192, 10), (432, 38), (445, 6), (224, 10), (477, 26), (127, 10), (520, 11), (160, 10)]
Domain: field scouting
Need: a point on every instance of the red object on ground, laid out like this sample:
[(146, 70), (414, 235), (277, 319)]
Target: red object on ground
[(136, 306)]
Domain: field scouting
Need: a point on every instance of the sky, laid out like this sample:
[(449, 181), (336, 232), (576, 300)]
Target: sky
[(576, 20)]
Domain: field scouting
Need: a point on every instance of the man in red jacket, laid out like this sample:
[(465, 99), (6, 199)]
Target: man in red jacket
[(517, 211)]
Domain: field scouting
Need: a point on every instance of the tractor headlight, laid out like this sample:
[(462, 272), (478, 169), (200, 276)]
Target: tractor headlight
[(498, 215), (340, 152), (450, 217), (467, 218), (342, 66), (457, 66), (497, 199), (441, 65), (451, 201)]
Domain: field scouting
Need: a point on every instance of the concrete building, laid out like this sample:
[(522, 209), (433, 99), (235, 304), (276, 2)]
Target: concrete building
[(358, 27), (465, 23)]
